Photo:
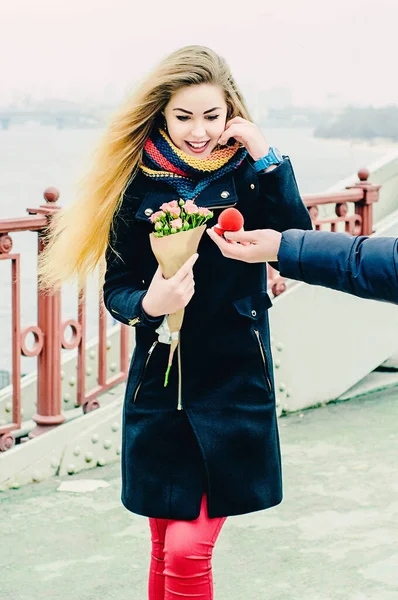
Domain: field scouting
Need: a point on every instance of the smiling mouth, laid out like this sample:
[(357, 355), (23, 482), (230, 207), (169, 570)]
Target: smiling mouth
[(198, 145)]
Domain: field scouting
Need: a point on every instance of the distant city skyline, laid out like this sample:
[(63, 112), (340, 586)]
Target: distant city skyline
[(277, 97), (343, 52)]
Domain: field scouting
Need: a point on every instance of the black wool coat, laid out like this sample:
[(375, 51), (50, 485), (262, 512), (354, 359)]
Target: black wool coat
[(224, 440)]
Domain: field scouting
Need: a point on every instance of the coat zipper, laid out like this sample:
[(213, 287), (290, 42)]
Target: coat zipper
[(260, 345), (179, 405), (151, 349)]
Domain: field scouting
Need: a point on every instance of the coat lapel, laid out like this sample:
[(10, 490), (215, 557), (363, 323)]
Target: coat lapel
[(220, 194)]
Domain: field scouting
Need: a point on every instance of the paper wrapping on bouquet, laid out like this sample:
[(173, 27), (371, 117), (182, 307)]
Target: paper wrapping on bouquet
[(171, 252)]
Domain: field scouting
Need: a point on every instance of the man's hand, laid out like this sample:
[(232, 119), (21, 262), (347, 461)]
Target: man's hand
[(260, 245)]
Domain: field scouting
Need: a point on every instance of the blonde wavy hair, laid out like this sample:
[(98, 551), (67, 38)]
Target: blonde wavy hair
[(78, 235)]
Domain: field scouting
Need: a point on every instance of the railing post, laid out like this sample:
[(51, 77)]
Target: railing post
[(49, 413), (364, 207), (7, 439)]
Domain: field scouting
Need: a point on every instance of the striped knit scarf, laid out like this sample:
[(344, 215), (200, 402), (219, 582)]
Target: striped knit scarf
[(163, 161)]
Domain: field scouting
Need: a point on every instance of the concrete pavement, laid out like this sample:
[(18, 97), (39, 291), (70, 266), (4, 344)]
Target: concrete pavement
[(335, 536)]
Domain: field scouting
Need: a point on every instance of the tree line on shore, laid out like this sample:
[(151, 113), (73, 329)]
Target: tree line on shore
[(351, 122), (362, 123)]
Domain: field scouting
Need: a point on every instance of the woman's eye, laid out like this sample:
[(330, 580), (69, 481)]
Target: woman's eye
[(209, 117)]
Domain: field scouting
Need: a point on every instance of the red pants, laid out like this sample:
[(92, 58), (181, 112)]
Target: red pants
[(181, 557)]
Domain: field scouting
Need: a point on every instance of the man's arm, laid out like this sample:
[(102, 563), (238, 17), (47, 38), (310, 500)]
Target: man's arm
[(362, 266)]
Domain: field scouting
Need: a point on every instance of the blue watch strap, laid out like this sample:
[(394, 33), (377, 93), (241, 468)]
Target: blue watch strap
[(273, 157)]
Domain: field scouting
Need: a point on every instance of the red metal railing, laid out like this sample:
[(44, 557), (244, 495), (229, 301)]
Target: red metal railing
[(49, 337), (49, 333), (357, 221)]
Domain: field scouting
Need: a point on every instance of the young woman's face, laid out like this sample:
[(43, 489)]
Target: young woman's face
[(195, 118)]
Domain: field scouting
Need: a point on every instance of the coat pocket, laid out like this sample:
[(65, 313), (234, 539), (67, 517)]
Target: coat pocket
[(143, 370), (264, 359), (253, 308)]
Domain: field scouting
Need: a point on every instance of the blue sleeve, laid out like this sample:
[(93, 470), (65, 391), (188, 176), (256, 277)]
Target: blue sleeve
[(361, 266), (123, 287), (283, 207), (281, 200)]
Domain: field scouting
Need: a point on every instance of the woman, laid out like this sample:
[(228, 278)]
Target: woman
[(206, 446)]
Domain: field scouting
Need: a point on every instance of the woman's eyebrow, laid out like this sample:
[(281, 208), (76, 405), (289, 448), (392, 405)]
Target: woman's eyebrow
[(183, 110), (205, 113), (211, 110)]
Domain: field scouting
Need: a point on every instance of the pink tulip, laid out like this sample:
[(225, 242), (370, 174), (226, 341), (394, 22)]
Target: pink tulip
[(173, 204)]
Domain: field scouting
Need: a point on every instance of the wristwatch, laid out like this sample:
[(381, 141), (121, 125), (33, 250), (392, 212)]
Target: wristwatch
[(274, 157)]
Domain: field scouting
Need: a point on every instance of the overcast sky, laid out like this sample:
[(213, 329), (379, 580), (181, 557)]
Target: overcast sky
[(79, 48)]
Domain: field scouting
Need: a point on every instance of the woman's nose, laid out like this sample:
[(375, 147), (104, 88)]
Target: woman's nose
[(198, 130)]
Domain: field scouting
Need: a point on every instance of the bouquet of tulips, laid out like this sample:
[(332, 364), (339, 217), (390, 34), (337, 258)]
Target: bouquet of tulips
[(179, 226)]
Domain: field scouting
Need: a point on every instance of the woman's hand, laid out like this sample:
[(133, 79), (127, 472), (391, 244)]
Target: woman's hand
[(248, 134), (167, 296)]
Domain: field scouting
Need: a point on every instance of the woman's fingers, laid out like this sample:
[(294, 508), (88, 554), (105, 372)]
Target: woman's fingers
[(187, 284), (231, 131), (185, 270)]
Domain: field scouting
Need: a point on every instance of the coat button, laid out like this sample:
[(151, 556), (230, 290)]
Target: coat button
[(148, 212), (224, 194), (252, 186), (254, 313)]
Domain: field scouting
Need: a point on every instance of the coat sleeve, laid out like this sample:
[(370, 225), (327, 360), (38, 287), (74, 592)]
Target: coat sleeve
[(282, 206), (123, 287), (361, 266)]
